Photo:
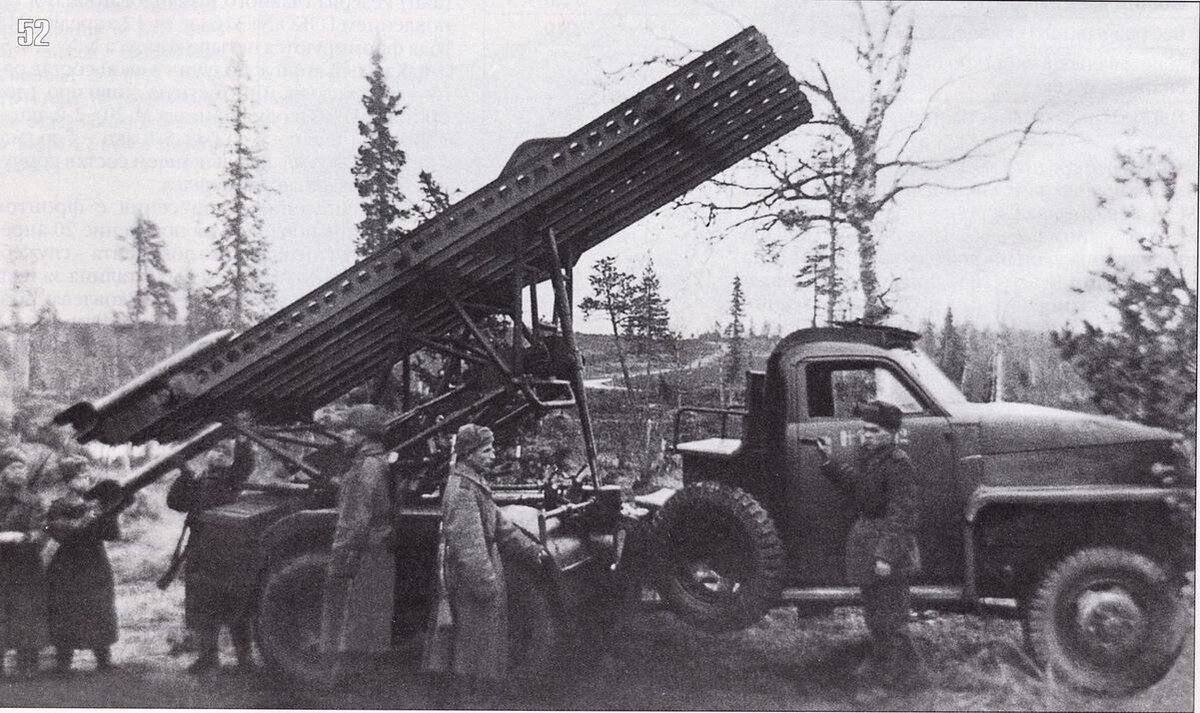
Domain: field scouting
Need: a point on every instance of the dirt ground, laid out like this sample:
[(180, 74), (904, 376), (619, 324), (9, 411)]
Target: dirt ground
[(650, 661)]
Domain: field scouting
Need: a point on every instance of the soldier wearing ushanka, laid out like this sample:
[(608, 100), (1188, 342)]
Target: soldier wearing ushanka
[(22, 577), (360, 582), (209, 603), (82, 610), (881, 548), (476, 539)]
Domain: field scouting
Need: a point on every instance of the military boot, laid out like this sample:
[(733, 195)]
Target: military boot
[(904, 669), (62, 660), (27, 663)]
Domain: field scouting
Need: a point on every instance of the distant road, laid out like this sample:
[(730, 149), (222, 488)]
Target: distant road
[(605, 382)]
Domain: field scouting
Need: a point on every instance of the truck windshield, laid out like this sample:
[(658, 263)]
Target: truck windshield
[(929, 375)]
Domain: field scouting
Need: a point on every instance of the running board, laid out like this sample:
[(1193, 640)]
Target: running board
[(937, 597), (853, 595), (949, 599)]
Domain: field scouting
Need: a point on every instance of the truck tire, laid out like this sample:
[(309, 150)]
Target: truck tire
[(289, 620), (1106, 620), (718, 558)]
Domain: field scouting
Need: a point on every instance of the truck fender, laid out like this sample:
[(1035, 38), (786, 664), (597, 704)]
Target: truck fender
[(303, 530), (986, 496), (577, 557), (653, 502)]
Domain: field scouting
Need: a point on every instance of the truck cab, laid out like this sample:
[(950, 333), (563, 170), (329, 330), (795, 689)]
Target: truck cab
[(1027, 511)]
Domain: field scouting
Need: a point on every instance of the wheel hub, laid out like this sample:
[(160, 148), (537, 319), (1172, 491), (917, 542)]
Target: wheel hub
[(1110, 620), (704, 575)]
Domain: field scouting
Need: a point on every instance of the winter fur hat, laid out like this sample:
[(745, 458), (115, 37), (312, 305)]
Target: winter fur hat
[(471, 438), (367, 419), (8, 456), (881, 413), (71, 466)]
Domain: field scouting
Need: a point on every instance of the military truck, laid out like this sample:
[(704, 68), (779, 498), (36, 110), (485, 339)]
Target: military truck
[(1078, 525)]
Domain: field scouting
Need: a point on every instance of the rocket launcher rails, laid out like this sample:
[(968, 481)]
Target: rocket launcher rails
[(558, 196)]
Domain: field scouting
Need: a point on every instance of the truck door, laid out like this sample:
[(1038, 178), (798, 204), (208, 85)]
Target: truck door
[(828, 390)]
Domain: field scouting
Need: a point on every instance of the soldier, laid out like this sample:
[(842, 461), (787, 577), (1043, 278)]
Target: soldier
[(474, 534), (361, 579), (79, 578), (22, 580), (881, 548), (207, 604)]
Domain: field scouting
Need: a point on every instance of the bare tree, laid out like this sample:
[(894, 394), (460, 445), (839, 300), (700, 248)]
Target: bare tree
[(801, 189)]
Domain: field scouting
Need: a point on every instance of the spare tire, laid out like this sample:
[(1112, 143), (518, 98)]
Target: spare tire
[(718, 558)]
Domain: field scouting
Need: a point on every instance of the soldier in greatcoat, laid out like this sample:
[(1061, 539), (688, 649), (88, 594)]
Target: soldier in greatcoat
[(207, 604), (475, 535), (881, 548), (361, 578), (82, 611), (22, 579)]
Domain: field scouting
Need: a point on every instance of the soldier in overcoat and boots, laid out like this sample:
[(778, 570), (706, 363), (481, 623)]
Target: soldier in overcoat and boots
[(473, 643), (881, 548), (207, 603), (360, 582), (22, 578), (82, 606)]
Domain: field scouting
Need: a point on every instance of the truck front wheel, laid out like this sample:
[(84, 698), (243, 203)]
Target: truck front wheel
[(1107, 620), (719, 558)]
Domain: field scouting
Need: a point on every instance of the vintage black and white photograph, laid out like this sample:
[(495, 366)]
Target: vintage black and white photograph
[(563, 355)]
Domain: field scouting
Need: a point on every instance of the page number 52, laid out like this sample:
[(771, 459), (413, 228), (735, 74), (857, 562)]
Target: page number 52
[(32, 33)]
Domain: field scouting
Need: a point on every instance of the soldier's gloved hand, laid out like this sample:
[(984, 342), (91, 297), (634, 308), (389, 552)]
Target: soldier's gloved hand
[(825, 449), (546, 561), (882, 569)]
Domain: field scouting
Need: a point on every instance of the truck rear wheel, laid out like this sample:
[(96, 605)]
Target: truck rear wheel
[(718, 557), (1106, 620), (289, 620)]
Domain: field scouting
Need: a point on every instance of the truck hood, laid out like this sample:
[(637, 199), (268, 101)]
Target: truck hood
[(1013, 427)]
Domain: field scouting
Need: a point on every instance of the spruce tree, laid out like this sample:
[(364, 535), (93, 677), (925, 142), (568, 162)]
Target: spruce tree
[(735, 360), (649, 320), (152, 293), (377, 169), (952, 350), (612, 294), (434, 199), (239, 292)]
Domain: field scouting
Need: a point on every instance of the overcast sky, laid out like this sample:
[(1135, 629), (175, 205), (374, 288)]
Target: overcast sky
[(121, 114)]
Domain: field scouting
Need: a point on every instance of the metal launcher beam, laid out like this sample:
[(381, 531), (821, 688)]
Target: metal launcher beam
[(582, 188)]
